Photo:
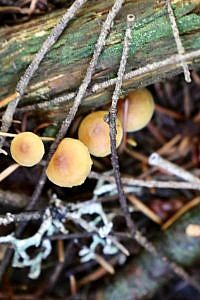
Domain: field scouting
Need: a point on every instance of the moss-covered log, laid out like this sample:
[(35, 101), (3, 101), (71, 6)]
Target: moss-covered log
[(145, 274), (64, 66)]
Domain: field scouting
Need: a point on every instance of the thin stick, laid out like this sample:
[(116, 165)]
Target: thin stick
[(112, 122), (119, 245), (7, 117), (168, 112), (150, 183), (179, 44), (98, 273), (156, 160), (61, 251), (14, 121), (12, 135), (73, 285), (8, 99), (168, 146), (194, 202), (137, 155), (32, 68), (104, 264), (48, 43), (97, 87), (5, 173), (145, 209)]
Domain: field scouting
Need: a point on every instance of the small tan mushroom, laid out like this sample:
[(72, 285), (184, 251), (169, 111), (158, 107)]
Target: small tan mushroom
[(140, 110), (94, 133), (27, 149), (70, 165)]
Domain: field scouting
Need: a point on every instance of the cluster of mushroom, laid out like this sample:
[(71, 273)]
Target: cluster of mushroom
[(71, 163)]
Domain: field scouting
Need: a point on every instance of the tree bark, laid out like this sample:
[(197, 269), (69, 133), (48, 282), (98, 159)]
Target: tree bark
[(64, 66), (145, 274)]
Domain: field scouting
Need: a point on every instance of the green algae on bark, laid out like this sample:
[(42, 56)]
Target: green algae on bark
[(64, 66)]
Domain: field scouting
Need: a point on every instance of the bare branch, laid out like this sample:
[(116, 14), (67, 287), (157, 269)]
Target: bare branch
[(177, 38), (112, 123)]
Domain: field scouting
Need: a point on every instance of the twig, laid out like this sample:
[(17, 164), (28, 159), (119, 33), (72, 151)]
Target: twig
[(112, 122), (48, 43), (179, 44), (168, 146), (97, 87), (32, 6), (60, 250), (32, 68), (98, 273), (8, 99), (150, 183), (137, 155), (119, 245), (156, 160), (145, 209), (194, 202), (12, 135), (104, 264), (5, 173), (168, 112), (8, 117), (155, 131), (73, 285), (50, 282)]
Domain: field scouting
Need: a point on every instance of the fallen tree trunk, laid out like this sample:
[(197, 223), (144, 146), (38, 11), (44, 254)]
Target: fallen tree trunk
[(64, 66), (145, 274)]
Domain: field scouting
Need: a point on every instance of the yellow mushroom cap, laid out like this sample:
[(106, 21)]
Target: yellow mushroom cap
[(94, 132), (140, 110), (27, 149), (70, 164)]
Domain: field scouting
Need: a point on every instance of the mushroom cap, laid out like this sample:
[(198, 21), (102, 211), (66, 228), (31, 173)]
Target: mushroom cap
[(140, 110), (70, 164), (27, 149), (94, 132)]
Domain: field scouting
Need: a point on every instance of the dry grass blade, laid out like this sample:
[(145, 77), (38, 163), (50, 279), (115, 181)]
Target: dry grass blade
[(191, 204), (108, 267), (5, 173), (145, 209)]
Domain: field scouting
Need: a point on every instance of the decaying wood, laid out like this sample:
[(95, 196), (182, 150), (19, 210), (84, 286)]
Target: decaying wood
[(64, 66), (145, 274)]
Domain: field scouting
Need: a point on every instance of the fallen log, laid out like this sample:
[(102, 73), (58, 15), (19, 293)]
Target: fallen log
[(64, 66)]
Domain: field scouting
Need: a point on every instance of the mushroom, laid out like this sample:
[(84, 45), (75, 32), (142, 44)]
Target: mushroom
[(94, 133), (70, 164), (27, 149), (140, 110)]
